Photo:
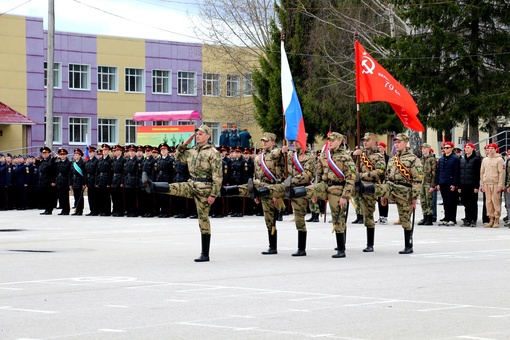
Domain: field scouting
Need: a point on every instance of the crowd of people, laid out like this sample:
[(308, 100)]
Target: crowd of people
[(204, 181)]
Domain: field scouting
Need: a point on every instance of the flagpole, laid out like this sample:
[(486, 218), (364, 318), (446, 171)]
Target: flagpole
[(282, 38)]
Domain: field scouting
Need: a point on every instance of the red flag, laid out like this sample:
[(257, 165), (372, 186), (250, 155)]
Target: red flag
[(375, 84)]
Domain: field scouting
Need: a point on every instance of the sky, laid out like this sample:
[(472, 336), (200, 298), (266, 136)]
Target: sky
[(147, 19)]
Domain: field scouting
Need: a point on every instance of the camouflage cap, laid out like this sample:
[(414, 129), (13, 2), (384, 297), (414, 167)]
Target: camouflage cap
[(369, 135), (426, 145), (269, 137), (402, 137), (335, 136), (205, 129)]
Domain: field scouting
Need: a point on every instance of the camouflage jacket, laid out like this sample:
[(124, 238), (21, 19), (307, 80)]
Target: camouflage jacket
[(203, 162), (274, 161), (344, 162), (429, 170), (378, 164), (413, 165), (307, 162)]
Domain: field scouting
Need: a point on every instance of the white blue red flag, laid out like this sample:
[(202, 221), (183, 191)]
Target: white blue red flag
[(294, 123), (87, 157)]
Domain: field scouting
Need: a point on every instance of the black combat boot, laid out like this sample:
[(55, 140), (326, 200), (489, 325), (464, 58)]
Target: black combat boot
[(296, 192), (206, 242), (370, 240), (311, 218), (423, 220), (154, 187), (408, 242), (316, 218), (229, 191), (272, 250), (340, 245), (301, 251), (257, 192), (428, 220), (359, 219)]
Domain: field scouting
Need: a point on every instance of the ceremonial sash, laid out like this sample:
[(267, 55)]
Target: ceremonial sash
[(336, 170), (266, 170), (78, 169), (297, 164), (370, 166), (402, 169)]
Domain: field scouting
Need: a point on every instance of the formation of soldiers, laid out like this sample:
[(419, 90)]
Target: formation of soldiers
[(203, 182)]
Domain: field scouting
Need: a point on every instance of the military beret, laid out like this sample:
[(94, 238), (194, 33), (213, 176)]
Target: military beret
[(470, 145), (383, 144), (450, 144)]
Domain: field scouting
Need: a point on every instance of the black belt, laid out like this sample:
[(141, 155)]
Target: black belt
[(404, 184), (334, 183), (205, 180)]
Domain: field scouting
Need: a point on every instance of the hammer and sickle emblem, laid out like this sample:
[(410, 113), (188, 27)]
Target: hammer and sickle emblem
[(368, 65)]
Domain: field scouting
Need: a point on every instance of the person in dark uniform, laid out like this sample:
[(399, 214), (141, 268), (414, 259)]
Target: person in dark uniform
[(117, 188), (131, 180), (78, 181), (238, 167), (33, 192), (164, 173), (3, 182), (181, 174), (220, 203), (21, 178), (10, 175), (47, 177), (248, 173), (104, 176), (62, 181), (146, 202), (90, 182)]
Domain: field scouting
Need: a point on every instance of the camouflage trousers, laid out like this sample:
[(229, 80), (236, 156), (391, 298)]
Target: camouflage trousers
[(368, 203), (426, 200), (332, 194), (199, 191), (299, 205), (358, 204), (402, 197)]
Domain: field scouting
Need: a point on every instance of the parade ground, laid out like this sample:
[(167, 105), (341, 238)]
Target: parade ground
[(78, 277)]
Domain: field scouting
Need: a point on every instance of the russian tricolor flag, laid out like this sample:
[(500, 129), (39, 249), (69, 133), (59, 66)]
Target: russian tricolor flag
[(294, 123)]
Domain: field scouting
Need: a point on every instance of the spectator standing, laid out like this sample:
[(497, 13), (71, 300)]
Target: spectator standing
[(244, 137), (492, 176), (224, 136), (233, 137), (469, 184), (447, 180)]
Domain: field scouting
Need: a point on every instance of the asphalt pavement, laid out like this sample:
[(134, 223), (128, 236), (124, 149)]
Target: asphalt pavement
[(78, 277)]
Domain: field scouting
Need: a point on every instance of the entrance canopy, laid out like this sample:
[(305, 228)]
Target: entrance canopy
[(166, 115), (10, 116)]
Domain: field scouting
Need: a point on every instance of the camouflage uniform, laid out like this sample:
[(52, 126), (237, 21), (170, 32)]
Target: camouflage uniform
[(204, 163), (399, 188), (372, 170), (429, 181)]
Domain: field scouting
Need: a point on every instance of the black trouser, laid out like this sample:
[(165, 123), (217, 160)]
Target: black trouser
[(78, 199), (105, 203), (383, 209), (469, 200), (130, 201), (63, 199), (92, 193), (163, 204), (21, 197), (118, 200), (49, 198), (450, 200)]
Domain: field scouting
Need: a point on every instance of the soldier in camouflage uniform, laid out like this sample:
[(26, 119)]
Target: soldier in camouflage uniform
[(404, 176), (268, 170), (371, 170), (336, 174), (204, 163), (428, 185)]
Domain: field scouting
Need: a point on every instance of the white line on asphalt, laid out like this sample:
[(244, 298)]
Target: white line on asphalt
[(444, 308), (11, 288), (112, 330), (28, 310), (117, 306), (473, 337)]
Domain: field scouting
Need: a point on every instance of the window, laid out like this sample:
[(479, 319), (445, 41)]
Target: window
[(78, 130), (79, 77), (107, 131), (161, 123), (57, 71), (187, 122), (247, 85), (186, 83), (131, 131), (216, 131), (161, 82), (233, 85), (134, 80), (57, 129), (107, 79), (211, 85)]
